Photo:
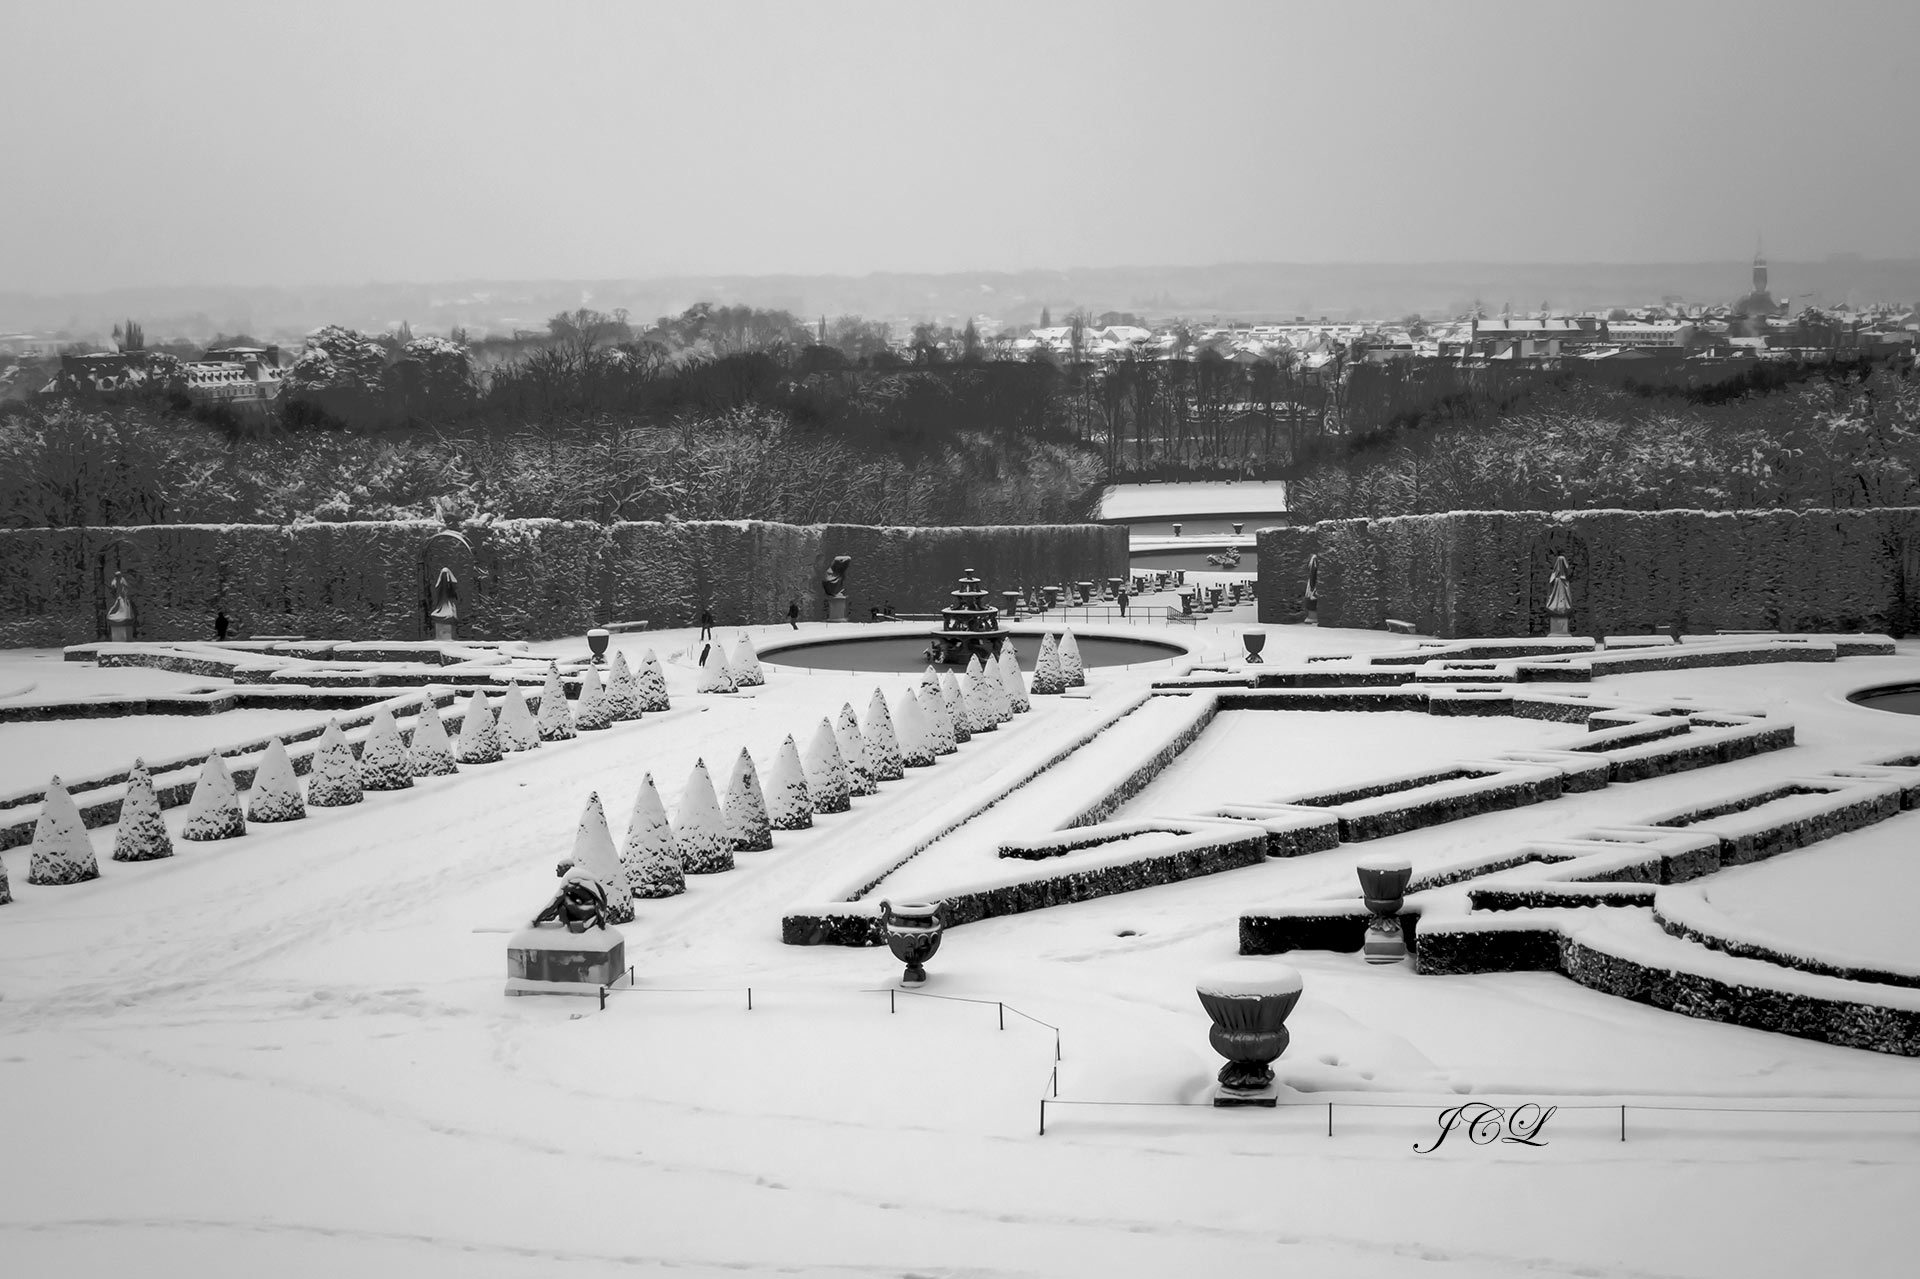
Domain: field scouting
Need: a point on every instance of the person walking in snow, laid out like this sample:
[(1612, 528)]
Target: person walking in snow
[(706, 623), (793, 614)]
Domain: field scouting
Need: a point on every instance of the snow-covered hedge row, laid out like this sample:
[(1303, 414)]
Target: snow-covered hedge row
[(1216, 849), (1685, 912), (1485, 572), (525, 579)]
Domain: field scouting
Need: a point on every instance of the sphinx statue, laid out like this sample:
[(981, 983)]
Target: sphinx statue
[(580, 904)]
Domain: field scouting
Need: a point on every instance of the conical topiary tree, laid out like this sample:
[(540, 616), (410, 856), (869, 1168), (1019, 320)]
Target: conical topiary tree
[(429, 754), (700, 829), (930, 679), (853, 749), (743, 809), (826, 772), (556, 718), (1016, 683), (6, 889), (275, 794), (652, 861), (1048, 679), (714, 676), (910, 724), (973, 691), (62, 849), (517, 728), (594, 853), (995, 694), (214, 810), (590, 712), (1071, 667), (653, 685), (383, 756), (334, 781), (142, 834), (744, 664), (623, 691), (884, 762), (789, 802), (933, 709), (956, 709), (479, 739)]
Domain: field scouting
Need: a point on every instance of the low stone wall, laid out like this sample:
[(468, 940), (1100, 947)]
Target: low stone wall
[(518, 579), (1486, 572)]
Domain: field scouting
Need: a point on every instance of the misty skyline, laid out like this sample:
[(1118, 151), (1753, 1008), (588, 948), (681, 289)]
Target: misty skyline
[(210, 144)]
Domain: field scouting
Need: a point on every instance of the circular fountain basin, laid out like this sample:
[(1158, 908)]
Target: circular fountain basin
[(1901, 699), (907, 652)]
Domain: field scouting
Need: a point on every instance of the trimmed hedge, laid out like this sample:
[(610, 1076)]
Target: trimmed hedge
[(519, 579), (1485, 572)]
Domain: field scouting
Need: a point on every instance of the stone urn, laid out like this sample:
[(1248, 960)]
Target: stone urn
[(597, 644), (1383, 883), (1254, 641), (1249, 1000), (913, 935)]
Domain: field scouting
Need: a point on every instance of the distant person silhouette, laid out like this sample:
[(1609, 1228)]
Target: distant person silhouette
[(706, 623), (220, 625), (793, 614)]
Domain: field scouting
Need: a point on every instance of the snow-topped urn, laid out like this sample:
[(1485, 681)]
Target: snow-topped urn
[(913, 935), (1383, 884), (1249, 1000)]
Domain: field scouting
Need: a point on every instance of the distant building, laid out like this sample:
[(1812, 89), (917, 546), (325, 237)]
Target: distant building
[(1758, 306)]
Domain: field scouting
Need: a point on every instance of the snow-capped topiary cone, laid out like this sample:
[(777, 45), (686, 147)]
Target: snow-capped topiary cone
[(930, 679), (142, 835), (214, 810), (590, 713), (652, 861), (826, 772), (623, 690), (884, 761), (594, 853), (1071, 668), (700, 828), (556, 718), (429, 754), (745, 808), (853, 749), (62, 849), (1047, 678), (973, 691), (714, 676), (789, 802), (956, 709), (744, 664), (653, 685), (275, 795), (1016, 682), (383, 756), (933, 708), (996, 691), (479, 738), (334, 781), (517, 728), (6, 888), (910, 723)]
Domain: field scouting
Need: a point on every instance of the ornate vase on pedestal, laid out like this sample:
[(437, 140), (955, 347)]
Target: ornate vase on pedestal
[(1249, 1000), (913, 935), (597, 644), (1254, 641), (1383, 882)]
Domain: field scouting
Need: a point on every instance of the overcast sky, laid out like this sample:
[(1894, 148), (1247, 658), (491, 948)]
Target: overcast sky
[(273, 142)]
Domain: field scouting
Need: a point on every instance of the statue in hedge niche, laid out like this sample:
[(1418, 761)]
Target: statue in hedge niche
[(443, 605), (1559, 596), (1312, 597), (580, 904), (121, 615), (835, 586)]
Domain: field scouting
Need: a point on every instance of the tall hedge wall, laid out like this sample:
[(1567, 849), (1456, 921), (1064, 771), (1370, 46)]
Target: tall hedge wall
[(1486, 572), (519, 579)]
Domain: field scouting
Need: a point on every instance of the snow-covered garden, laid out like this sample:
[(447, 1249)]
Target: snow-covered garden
[(291, 1050)]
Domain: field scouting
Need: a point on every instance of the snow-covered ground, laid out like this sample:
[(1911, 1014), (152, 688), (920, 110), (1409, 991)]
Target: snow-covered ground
[(290, 1053), (1149, 501)]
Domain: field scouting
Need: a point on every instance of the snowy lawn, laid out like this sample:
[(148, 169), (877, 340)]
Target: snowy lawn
[(290, 1053)]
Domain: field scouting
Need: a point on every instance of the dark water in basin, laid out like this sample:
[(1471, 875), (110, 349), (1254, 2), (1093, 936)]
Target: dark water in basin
[(1194, 561), (903, 653), (1902, 699)]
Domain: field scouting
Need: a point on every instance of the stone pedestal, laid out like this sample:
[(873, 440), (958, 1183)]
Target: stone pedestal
[(443, 632), (551, 960), (120, 632), (1557, 625), (836, 608)]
